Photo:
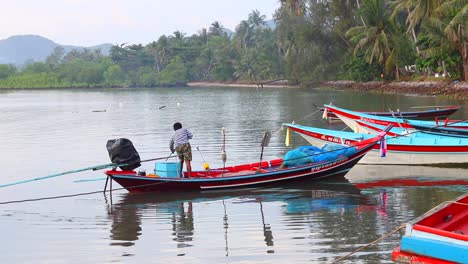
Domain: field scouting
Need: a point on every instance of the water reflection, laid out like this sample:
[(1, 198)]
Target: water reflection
[(299, 201), (377, 177), (182, 224)]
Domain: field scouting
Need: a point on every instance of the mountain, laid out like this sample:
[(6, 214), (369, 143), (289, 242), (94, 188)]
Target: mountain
[(23, 48)]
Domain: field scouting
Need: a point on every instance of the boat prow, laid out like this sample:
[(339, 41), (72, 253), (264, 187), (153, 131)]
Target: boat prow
[(439, 236)]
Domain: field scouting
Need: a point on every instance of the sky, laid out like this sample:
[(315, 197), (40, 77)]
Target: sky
[(94, 22)]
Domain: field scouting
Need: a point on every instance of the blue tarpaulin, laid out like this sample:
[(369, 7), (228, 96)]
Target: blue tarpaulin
[(308, 154)]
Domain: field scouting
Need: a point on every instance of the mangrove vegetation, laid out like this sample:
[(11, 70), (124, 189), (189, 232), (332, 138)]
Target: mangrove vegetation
[(307, 41)]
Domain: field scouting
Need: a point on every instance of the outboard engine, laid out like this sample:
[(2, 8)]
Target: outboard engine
[(122, 151)]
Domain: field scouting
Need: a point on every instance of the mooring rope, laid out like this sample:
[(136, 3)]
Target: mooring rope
[(97, 167), (369, 244), (78, 194)]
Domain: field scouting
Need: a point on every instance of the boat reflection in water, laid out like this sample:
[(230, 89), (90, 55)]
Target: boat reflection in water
[(367, 177), (296, 201)]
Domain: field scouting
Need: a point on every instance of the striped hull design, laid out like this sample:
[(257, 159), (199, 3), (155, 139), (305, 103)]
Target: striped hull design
[(349, 118), (246, 174), (400, 151), (428, 114)]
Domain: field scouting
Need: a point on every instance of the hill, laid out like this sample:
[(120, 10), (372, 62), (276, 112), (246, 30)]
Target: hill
[(23, 48)]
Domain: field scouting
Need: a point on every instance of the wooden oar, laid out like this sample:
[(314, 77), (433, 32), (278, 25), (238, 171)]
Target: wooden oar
[(265, 142), (94, 168)]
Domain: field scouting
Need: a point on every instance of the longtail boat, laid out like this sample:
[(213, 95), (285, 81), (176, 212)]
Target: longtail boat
[(439, 112), (439, 236), (349, 118), (334, 162), (412, 149), (431, 132)]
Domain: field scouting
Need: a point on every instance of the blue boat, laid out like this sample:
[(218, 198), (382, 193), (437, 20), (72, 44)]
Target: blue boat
[(412, 149), (350, 117)]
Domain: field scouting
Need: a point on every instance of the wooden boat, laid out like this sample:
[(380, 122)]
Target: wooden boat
[(439, 236), (413, 149), (250, 174), (441, 112), (371, 128), (349, 118), (441, 130)]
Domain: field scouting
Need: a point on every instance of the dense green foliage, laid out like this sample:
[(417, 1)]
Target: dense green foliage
[(313, 40)]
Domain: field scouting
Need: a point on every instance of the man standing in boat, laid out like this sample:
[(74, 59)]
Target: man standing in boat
[(180, 143)]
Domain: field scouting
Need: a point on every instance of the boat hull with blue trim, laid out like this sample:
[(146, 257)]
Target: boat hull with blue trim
[(439, 112), (252, 174), (413, 149), (439, 236), (350, 117)]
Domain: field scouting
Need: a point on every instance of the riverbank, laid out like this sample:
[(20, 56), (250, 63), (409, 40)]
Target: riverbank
[(457, 90), (274, 84)]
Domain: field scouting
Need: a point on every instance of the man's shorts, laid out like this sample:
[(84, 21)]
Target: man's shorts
[(184, 151)]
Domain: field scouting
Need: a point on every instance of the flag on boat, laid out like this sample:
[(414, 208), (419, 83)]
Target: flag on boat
[(383, 147)]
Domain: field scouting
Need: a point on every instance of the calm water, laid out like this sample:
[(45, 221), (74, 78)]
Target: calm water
[(50, 131)]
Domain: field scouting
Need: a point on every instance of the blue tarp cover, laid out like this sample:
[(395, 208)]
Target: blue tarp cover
[(308, 154)]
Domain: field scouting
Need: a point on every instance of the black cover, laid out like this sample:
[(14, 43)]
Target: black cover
[(122, 151)]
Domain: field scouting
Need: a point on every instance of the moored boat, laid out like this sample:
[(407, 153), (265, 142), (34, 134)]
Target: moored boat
[(333, 162), (439, 112), (439, 236), (350, 117), (413, 149)]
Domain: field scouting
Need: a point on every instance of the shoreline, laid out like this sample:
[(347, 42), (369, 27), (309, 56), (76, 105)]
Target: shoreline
[(458, 90), (455, 90), (277, 84)]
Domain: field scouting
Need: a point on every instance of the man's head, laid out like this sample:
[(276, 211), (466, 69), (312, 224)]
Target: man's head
[(177, 126)]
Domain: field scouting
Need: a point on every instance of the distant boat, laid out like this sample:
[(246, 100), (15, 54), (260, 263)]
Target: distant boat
[(414, 149), (439, 112), (349, 118), (438, 236)]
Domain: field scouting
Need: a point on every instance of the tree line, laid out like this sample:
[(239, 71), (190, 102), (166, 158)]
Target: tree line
[(312, 40)]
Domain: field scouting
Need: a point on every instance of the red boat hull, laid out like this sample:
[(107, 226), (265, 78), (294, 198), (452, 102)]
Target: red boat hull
[(243, 175), (428, 114)]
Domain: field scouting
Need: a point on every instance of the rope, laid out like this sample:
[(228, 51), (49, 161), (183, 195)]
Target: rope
[(77, 194), (392, 232), (370, 244), (97, 167)]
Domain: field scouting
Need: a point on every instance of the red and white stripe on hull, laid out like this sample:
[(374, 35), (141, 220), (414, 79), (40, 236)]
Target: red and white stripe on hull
[(398, 153)]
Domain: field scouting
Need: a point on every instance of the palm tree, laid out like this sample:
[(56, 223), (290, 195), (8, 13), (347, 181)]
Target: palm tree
[(374, 40), (243, 34), (256, 20), (297, 7), (179, 36), (417, 11), (217, 29), (456, 30)]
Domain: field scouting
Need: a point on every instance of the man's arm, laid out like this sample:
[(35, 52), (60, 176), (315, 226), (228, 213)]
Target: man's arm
[(171, 145)]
